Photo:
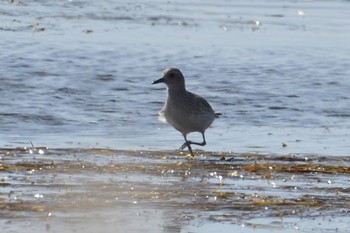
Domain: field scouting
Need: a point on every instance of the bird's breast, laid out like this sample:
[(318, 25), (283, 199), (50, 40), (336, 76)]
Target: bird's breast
[(185, 117)]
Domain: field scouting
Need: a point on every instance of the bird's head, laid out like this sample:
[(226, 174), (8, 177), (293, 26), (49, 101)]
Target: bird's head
[(173, 78)]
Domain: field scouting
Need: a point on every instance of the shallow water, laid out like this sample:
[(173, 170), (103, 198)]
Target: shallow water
[(78, 74), (100, 190)]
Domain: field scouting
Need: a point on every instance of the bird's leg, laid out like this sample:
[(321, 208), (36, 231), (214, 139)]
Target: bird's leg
[(194, 143), (190, 150), (188, 145)]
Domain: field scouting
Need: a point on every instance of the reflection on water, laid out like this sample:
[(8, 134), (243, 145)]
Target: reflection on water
[(89, 190)]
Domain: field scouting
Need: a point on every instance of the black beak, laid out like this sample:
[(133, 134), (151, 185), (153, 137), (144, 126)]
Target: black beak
[(161, 80)]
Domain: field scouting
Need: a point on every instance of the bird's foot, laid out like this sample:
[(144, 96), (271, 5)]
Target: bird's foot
[(188, 145)]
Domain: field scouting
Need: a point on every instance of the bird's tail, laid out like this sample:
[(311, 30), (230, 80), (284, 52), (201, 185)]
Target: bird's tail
[(217, 114)]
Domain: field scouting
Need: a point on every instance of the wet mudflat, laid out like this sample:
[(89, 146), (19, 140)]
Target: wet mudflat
[(103, 190)]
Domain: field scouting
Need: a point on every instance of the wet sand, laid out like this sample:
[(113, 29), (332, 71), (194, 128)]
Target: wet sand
[(103, 190)]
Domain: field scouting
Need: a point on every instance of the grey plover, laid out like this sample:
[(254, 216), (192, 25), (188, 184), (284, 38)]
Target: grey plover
[(185, 111)]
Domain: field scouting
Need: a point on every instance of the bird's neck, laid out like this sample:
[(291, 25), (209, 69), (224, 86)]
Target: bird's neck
[(175, 91)]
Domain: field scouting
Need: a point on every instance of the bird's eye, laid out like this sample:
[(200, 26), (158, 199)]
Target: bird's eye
[(171, 75)]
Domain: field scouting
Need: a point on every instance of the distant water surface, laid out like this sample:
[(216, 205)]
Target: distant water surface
[(79, 73)]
